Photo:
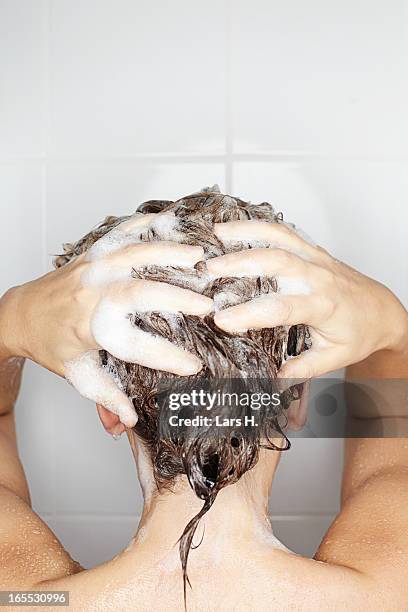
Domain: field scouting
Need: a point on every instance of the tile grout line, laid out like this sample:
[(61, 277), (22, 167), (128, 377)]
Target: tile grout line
[(195, 158), (228, 100)]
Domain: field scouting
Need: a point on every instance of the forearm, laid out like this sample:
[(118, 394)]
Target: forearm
[(380, 413), (382, 364), (10, 324), (11, 365)]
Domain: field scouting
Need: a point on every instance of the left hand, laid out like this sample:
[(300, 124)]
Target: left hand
[(63, 319)]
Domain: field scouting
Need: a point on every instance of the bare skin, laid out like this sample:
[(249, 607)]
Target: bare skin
[(361, 563), (51, 320), (350, 315)]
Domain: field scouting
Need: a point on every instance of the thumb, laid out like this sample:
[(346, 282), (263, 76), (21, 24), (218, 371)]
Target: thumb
[(312, 363), (86, 374)]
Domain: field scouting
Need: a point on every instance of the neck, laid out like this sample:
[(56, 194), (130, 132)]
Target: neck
[(237, 519)]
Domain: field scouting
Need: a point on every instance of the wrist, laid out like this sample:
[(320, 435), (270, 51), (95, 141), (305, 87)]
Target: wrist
[(399, 343), (10, 325), (396, 331)]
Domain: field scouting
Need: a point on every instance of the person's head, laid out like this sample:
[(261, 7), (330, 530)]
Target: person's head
[(209, 460)]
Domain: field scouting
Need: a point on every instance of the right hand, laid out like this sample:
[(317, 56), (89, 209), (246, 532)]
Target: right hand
[(350, 316), (64, 318)]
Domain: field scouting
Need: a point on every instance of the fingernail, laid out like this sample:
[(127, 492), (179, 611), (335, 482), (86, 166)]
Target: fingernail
[(192, 255), (214, 266), (223, 317), (196, 249), (129, 420), (191, 367), (225, 320), (203, 304)]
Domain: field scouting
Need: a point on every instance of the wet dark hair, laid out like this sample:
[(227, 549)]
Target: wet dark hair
[(210, 461)]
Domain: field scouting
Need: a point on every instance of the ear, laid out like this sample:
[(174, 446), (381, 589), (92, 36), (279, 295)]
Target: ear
[(110, 421)]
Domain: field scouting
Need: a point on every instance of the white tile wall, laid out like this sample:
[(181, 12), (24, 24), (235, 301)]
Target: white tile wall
[(22, 78), (21, 200), (105, 104), (139, 78), (320, 77)]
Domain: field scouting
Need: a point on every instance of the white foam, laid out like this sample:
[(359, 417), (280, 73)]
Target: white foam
[(86, 374), (264, 532), (165, 225), (131, 232), (223, 299), (111, 242), (113, 330), (229, 200), (157, 253), (238, 245), (213, 189), (102, 272)]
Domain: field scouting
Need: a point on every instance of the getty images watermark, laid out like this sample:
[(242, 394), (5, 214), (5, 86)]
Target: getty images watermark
[(207, 405), (221, 406), (329, 407)]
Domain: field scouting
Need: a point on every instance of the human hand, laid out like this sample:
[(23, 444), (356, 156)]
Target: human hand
[(350, 316), (64, 318)]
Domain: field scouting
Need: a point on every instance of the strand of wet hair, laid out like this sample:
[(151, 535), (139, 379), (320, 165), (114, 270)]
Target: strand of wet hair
[(186, 539)]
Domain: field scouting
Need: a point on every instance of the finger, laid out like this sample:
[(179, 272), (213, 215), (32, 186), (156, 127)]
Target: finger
[(270, 311), (313, 363), (160, 253), (145, 296), (127, 233), (297, 411), (93, 382), (110, 421), (118, 264), (114, 332), (136, 222), (258, 262), (274, 234), (161, 222)]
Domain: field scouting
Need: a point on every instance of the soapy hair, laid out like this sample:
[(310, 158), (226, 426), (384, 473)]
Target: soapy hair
[(210, 460)]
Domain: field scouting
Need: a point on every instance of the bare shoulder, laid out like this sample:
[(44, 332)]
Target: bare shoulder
[(369, 539), (29, 551)]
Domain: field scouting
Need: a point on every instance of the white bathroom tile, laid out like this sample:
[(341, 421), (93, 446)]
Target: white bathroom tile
[(130, 77), (94, 473), (22, 78), (21, 223), (355, 210), (36, 434), (320, 77), (308, 477), (93, 540), (302, 534), (82, 195)]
